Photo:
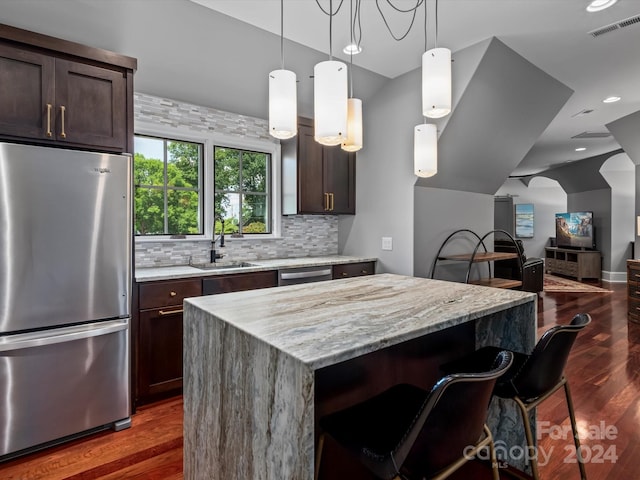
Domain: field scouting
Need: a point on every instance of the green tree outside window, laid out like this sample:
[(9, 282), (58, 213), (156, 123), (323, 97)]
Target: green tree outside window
[(242, 195), (168, 193)]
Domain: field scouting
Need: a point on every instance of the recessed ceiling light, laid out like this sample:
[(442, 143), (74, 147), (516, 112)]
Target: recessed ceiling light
[(611, 99), (352, 49), (598, 5), (580, 149)]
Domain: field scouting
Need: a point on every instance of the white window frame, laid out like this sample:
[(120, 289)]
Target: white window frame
[(209, 140)]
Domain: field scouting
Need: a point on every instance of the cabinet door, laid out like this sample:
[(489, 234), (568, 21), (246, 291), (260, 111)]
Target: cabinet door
[(91, 105), (339, 179), (26, 87), (160, 351), (311, 191)]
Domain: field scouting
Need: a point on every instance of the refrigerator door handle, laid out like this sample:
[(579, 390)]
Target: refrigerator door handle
[(61, 335)]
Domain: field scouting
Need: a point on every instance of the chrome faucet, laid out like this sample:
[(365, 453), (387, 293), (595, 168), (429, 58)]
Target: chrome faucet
[(214, 254)]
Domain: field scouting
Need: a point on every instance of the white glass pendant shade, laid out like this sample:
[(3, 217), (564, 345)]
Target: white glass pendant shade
[(425, 150), (436, 82), (330, 102), (283, 108), (353, 142)]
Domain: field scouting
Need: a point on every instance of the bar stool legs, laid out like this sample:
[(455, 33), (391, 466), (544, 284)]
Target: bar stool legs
[(525, 408)]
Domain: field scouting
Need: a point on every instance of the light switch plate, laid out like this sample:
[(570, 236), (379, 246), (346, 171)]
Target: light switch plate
[(387, 243)]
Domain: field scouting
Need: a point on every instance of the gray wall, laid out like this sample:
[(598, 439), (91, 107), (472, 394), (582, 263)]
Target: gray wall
[(384, 188), (548, 198), (476, 154), (588, 189), (442, 213), (619, 173), (599, 202)]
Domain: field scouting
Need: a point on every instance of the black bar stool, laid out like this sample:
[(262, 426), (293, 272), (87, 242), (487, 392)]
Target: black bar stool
[(534, 378), (409, 433)]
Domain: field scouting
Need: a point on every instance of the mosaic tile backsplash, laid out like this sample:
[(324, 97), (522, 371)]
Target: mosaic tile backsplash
[(302, 235)]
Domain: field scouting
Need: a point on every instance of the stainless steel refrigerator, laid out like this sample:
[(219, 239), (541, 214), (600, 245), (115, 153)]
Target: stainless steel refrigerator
[(65, 283)]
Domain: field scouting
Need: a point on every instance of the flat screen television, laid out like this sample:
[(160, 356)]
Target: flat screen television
[(575, 230)]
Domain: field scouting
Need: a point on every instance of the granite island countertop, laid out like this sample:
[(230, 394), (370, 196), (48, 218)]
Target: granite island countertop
[(149, 274), (329, 322), (258, 365)]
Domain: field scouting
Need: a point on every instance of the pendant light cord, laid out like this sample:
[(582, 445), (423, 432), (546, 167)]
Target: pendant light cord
[(414, 9), (436, 23), (331, 14), (282, 33), (351, 52)]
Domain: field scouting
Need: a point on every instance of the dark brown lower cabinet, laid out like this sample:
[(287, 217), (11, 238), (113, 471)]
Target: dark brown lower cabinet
[(347, 270), (158, 344), (157, 368), (160, 352)]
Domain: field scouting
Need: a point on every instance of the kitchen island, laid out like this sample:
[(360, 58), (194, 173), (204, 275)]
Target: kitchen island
[(261, 367)]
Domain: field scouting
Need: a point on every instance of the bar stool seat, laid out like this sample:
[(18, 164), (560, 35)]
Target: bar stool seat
[(410, 433)]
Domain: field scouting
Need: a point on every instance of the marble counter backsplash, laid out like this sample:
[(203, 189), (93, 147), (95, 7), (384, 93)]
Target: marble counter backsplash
[(302, 236)]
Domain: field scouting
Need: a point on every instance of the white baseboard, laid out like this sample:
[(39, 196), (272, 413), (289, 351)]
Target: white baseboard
[(614, 277)]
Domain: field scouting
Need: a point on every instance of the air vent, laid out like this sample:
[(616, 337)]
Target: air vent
[(582, 112), (592, 135), (615, 26)]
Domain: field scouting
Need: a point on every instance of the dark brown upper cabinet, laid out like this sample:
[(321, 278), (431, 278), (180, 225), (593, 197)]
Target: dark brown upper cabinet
[(61, 93), (315, 178)]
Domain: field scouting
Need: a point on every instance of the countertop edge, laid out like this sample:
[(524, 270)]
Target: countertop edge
[(175, 272)]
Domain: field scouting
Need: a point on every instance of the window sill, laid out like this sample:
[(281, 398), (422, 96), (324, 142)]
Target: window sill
[(202, 238)]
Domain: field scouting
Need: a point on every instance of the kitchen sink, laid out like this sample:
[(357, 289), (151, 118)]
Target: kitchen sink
[(220, 265)]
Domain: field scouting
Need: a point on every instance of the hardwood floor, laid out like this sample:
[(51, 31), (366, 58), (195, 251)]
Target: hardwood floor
[(603, 371)]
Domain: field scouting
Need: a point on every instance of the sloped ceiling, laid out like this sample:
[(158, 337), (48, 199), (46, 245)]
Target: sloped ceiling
[(506, 105), (626, 131), (582, 176)]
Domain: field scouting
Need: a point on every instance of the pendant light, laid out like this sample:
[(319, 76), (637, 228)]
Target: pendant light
[(436, 78), (283, 109), (425, 150), (353, 142), (425, 136), (330, 97)]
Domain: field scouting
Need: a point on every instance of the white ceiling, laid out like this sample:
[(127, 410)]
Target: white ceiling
[(552, 34)]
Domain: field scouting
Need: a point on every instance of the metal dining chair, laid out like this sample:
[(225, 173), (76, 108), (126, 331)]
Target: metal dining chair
[(410, 433)]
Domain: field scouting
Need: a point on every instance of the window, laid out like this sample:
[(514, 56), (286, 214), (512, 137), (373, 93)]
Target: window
[(242, 193), (168, 186)]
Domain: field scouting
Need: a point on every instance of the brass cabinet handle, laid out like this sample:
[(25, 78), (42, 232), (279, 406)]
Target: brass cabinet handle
[(326, 201), (170, 312), (345, 274), (62, 133), (172, 294), (331, 197), (364, 272), (49, 133)]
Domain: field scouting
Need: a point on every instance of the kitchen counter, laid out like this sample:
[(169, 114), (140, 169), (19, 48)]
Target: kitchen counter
[(253, 360), (149, 274)]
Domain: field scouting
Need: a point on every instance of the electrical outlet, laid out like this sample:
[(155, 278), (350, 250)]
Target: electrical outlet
[(387, 243)]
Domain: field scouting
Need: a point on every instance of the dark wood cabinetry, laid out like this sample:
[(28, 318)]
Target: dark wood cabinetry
[(347, 270), (633, 290), (317, 179), (59, 93), (157, 366), (159, 349)]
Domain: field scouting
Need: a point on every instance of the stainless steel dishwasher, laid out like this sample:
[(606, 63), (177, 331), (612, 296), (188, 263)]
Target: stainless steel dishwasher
[(293, 276)]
